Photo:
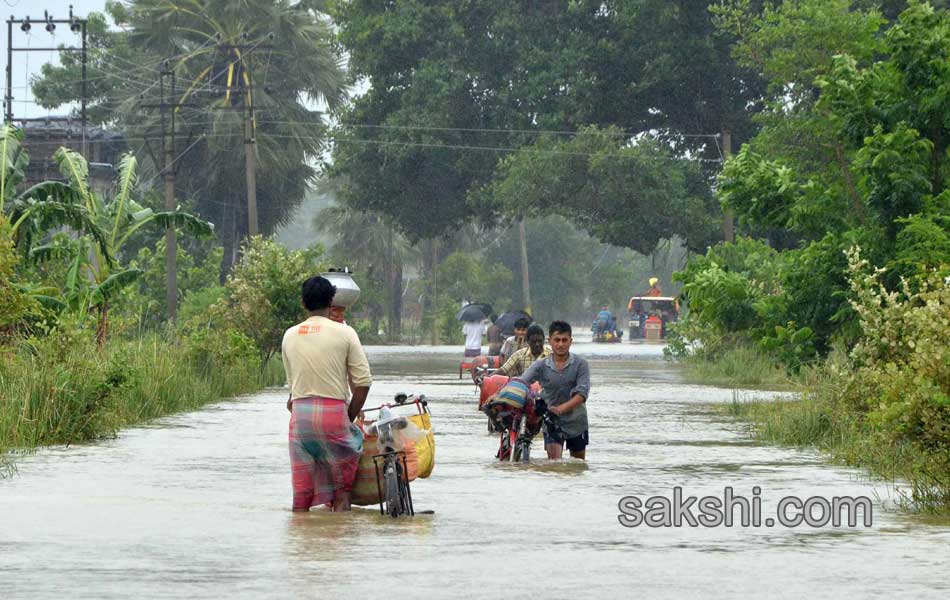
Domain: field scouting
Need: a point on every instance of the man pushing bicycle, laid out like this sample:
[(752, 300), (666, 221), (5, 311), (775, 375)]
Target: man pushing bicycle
[(565, 385)]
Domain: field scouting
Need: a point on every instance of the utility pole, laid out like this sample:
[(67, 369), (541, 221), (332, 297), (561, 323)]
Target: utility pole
[(169, 105), (171, 241), (250, 150), (435, 291), (239, 81), (728, 228), (525, 281)]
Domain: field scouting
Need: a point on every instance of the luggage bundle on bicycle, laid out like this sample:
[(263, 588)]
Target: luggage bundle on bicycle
[(514, 412), (396, 449)]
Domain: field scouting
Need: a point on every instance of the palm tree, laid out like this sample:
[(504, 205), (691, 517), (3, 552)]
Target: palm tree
[(275, 56), (270, 59)]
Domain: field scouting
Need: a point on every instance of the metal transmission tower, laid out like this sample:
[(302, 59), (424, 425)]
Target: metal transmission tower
[(76, 25)]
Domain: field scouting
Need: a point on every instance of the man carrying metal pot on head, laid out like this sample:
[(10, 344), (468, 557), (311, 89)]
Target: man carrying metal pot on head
[(325, 363)]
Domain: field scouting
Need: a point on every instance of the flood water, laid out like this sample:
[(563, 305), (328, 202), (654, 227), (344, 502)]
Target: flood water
[(198, 505)]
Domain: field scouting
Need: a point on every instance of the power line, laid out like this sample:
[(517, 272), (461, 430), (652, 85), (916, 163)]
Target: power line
[(527, 149), (528, 131)]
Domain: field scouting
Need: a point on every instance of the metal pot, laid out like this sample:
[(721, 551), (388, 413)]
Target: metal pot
[(347, 292)]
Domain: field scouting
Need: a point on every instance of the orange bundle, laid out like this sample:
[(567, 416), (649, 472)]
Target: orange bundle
[(420, 460)]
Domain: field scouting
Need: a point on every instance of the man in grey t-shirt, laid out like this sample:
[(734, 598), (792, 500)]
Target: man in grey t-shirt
[(565, 385)]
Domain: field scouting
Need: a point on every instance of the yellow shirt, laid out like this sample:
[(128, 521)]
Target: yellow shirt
[(320, 355), (522, 359)]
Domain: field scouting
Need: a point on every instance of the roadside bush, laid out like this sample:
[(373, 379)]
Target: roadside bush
[(790, 305), (885, 405), (210, 349), (262, 296), (147, 302), (901, 376), (14, 305)]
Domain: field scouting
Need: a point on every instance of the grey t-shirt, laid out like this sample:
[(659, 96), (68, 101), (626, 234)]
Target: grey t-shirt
[(559, 386)]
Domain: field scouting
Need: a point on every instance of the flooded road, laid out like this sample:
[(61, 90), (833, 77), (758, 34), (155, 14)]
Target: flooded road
[(198, 505)]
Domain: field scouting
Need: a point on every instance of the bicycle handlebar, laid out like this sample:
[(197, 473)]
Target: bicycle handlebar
[(402, 400)]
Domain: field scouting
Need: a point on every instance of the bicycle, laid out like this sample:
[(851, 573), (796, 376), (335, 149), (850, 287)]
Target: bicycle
[(517, 427), (392, 470)]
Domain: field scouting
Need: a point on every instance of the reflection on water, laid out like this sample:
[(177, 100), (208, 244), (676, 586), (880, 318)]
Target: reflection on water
[(564, 468), (197, 505)]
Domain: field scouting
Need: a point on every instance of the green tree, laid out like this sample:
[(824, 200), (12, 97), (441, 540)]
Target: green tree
[(369, 244), (626, 195), (888, 193), (792, 44)]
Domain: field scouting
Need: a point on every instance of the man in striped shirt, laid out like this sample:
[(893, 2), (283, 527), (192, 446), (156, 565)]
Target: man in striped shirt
[(536, 349)]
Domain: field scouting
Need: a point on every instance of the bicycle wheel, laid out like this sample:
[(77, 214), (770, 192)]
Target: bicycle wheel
[(504, 446), (392, 488), (405, 496), (521, 450)]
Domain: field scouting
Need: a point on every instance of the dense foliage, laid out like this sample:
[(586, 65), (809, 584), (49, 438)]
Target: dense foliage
[(261, 298), (876, 177), (853, 153)]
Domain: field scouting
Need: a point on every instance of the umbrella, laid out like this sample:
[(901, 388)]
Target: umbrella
[(474, 312), (506, 322)]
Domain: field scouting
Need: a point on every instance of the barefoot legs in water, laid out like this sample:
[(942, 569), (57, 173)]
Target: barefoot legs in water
[(341, 502), (556, 450)]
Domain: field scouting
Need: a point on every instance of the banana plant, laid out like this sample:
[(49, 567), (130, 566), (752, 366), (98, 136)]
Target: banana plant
[(35, 210), (115, 221), (83, 287), (102, 226)]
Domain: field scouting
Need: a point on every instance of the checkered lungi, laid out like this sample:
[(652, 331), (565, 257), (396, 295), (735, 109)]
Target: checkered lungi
[(325, 450)]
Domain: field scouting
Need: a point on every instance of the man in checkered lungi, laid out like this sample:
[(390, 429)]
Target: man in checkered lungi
[(324, 361)]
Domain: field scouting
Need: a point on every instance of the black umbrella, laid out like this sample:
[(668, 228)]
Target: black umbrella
[(474, 312), (506, 322)]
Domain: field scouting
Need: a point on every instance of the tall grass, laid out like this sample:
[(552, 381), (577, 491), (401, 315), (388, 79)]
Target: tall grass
[(816, 420), (740, 365), (59, 391)]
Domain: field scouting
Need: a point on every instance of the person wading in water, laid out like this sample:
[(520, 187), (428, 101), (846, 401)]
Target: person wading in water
[(565, 385), (522, 359), (324, 361)]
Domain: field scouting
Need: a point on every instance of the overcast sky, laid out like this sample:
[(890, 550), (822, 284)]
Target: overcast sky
[(27, 64)]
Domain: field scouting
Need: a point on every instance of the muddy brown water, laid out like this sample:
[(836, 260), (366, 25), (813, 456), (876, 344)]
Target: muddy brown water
[(197, 505)]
